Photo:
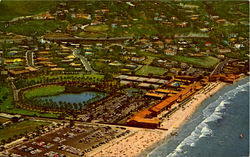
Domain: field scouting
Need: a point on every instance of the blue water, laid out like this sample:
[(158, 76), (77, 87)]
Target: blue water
[(214, 129), (84, 97)]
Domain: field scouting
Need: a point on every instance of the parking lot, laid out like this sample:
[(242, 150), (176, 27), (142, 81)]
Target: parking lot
[(78, 140)]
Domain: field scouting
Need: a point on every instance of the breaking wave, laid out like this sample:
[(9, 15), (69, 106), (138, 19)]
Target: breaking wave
[(212, 113)]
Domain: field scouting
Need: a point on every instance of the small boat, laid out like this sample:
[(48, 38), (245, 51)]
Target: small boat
[(241, 135)]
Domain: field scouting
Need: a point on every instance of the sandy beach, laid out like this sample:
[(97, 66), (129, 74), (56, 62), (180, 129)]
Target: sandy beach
[(143, 139)]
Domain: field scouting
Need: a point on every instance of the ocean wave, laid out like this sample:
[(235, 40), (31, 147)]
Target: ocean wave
[(212, 113)]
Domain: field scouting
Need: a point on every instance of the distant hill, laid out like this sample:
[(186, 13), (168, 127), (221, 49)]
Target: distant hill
[(11, 9)]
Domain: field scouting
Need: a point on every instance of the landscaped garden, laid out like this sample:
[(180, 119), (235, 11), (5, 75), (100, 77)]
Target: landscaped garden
[(7, 104)]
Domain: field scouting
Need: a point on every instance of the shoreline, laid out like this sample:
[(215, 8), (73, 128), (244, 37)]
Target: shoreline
[(143, 142), (197, 104), (175, 123)]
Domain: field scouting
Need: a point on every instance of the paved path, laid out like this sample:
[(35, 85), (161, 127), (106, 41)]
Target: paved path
[(29, 58), (15, 91), (219, 67), (84, 61), (73, 39)]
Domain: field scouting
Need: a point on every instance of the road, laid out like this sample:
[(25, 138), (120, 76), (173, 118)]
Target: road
[(84, 61), (15, 91), (72, 39), (29, 58), (219, 67)]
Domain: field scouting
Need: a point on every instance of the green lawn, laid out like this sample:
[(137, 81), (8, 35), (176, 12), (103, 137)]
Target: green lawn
[(149, 60), (204, 62), (104, 67), (146, 70), (20, 128), (44, 91), (7, 104)]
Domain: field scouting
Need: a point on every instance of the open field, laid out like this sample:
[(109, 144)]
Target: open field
[(146, 70), (44, 91), (19, 128), (205, 62)]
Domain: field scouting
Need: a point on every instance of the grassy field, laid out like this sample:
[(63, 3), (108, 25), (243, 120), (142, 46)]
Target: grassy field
[(34, 26), (12, 9), (149, 60), (204, 62), (146, 70), (7, 104), (44, 91), (155, 55), (99, 28), (20, 128), (104, 67)]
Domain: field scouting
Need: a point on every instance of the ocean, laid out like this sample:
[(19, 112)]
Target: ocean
[(214, 129)]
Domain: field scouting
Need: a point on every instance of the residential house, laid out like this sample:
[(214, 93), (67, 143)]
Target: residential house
[(170, 52), (207, 44), (159, 44), (222, 51)]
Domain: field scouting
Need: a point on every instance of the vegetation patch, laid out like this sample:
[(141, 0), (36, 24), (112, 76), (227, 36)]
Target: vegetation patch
[(91, 34), (12, 9), (44, 91), (92, 78), (99, 28), (3, 120), (32, 27), (6, 99), (147, 70), (204, 62), (20, 128), (7, 105)]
